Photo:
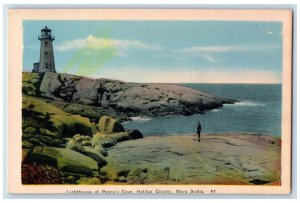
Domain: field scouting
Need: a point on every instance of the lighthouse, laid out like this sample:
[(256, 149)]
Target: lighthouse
[(46, 63)]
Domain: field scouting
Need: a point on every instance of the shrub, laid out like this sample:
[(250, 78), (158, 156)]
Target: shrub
[(40, 174)]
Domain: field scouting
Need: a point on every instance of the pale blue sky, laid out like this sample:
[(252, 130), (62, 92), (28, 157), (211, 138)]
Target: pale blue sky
[(163, 51)]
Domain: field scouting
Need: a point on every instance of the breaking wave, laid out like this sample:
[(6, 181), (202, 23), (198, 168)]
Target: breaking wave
[(141, 118), (246, 103)]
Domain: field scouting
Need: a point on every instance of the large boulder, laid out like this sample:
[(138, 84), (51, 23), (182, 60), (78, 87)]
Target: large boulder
[(100, 139), (74, 145), (87, 91), (135, 134), (71, 125), (110, 139), (96, 155), (50, 84), (120, 137), (39, 107), (90, 112), (109, 125), (65, 160), (100, 149), (128, 135)]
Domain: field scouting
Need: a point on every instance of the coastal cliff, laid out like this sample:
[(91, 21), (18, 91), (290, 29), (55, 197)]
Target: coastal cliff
[(117, 97)]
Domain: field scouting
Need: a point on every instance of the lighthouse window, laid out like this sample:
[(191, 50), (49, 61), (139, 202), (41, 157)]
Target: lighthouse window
[(46, 54), (46, 43), (47, 65)]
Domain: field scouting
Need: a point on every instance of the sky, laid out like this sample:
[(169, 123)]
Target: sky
[(162, 51)]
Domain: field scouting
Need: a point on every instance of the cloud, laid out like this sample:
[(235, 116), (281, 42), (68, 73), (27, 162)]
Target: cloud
[(270, 32), (120, 45), (216, 75), (69, 45), (180, 58), (209, 58), (225, 49)]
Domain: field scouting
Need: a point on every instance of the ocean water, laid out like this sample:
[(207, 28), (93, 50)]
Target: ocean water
[(259, 111)]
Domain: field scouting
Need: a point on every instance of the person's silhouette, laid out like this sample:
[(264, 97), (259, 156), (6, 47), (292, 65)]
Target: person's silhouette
[(199, 130)]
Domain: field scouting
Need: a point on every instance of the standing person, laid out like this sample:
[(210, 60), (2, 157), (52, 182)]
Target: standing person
[(199, 130)]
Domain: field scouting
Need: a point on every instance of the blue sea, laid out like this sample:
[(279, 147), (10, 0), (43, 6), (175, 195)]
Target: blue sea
[(259, 111)]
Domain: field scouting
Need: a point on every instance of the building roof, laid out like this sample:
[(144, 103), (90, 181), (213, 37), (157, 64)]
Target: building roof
[(46, 29)]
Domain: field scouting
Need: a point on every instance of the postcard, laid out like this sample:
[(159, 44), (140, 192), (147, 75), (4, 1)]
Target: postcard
[(149, 101)]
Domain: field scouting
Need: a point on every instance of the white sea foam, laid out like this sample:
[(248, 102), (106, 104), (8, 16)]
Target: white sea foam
[(246, 103), (141, 118)]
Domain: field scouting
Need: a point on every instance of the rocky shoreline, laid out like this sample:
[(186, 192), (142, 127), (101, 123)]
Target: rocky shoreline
[(62, 148), (72, 134), (114, 97), (221, 159)]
